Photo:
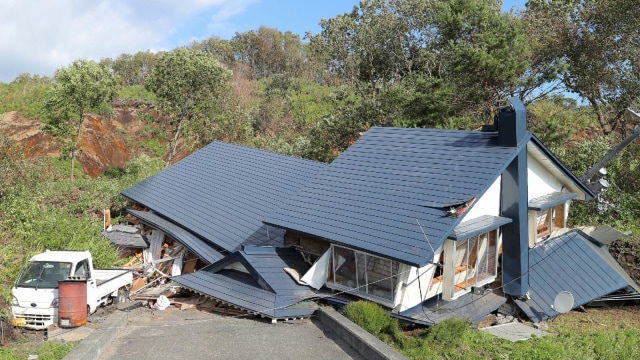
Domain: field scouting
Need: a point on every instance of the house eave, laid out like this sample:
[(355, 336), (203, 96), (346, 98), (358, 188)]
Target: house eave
[(541, 153)]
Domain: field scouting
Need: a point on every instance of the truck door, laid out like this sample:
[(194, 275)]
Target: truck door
[(83, 269)]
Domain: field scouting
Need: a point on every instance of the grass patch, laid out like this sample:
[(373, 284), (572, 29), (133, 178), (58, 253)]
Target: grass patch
[(49, 350), (155, 146), (600, 333)]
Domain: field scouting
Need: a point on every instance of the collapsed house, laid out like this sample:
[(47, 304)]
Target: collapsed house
[(429, 223), (212, 203)]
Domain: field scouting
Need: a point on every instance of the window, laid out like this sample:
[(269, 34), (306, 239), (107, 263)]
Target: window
[(82, 269), (367, 274), (43, 274), (548, 220), (474, 262), (547, 214)]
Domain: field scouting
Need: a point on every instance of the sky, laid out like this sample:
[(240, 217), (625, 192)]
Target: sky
[(40, 36)]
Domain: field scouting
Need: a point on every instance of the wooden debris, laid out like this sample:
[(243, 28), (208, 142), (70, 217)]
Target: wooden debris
[(137, 284)]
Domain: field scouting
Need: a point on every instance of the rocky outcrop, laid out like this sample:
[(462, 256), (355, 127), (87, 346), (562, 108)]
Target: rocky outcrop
[(105, 142), (28, 134)]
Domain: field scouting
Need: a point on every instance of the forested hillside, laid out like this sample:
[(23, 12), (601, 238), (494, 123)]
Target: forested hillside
[(408, 63)]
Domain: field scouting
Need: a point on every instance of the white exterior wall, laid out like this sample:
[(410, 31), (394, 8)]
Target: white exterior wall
[(414, 289), (417, 287), (541, 181), (488, 204)]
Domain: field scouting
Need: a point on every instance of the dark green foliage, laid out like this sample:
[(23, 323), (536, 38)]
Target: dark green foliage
[(623, 197), (485, 49), (155, 146), (264, 52), (559, 111), (114, 172), (596, 41)]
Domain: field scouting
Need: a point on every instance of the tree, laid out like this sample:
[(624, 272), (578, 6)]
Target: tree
[(377, 44), (599, 42), (220, 48), (485, 46), (131, 69), (81, 86), (424, 61), (189, 85), (267, 52)]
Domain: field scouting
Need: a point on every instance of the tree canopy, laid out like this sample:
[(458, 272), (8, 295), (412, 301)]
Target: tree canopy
[(189, 84), (81, 86), (597, 41)]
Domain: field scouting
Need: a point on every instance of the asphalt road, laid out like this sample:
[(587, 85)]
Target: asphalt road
[(193, 334)]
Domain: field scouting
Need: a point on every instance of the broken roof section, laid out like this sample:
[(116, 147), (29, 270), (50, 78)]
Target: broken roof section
[(370, 197), (222, 192), (125, 236), (204, 250), (254, 280), (570, 262)]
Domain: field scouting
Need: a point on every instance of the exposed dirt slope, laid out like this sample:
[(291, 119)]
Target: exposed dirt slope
[(105, 142)]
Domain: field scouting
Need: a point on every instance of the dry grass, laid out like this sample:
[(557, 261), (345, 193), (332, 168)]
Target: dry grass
[(596, 319)]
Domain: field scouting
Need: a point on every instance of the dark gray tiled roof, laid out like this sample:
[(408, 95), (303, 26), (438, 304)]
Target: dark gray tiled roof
[(569, 262), (550, 200), (469, 306), (222, 192), (206, 252), (278, 297), (125, 236), (372, 196), (478, 225), (602, 235)]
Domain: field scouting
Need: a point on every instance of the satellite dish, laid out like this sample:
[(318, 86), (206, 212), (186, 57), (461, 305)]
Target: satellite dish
[(563, 302)]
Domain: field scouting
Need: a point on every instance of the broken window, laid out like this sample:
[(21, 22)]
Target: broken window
[(548, 221), (474, 262), (367, 274), (82, 269)]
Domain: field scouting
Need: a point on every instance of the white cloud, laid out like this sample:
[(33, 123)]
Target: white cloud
[(39, 36)]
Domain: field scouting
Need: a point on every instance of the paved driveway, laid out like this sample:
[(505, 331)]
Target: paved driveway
[(193, 334)]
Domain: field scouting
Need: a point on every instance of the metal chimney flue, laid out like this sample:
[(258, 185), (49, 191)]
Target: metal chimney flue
[(511, 123), (511, 126)]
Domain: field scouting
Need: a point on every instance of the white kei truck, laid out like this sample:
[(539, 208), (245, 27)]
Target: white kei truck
[(34, 302)]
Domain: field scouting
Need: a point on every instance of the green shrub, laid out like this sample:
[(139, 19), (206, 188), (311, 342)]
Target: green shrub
[(374, 320), (368, 316), (142, 167), (114, 172), (154, 146), (449, 333)]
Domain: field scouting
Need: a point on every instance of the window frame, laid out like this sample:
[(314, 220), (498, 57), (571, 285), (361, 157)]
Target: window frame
[(554, 219), (458, 256), (362, 273)]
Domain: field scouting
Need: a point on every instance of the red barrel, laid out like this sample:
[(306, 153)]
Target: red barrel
[(72, 303)]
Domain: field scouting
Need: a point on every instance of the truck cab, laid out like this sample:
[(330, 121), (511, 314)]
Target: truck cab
[(34, 302)]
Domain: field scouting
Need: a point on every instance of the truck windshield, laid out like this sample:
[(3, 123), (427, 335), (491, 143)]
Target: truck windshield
[(43, 274)]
